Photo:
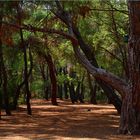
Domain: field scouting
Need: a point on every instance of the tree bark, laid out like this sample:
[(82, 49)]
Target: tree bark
[(52, 73), (130, 115)]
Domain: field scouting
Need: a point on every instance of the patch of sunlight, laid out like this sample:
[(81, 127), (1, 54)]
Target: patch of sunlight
[(70, 138), (14, 138)]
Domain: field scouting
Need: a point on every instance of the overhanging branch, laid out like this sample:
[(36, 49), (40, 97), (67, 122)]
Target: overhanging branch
[(31, 28), (117, 83)]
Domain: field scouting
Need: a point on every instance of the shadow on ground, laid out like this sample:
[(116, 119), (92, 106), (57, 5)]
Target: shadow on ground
[(66, 121)]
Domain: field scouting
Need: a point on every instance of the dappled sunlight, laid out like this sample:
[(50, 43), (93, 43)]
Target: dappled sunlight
[(66, 122), (14, 138)]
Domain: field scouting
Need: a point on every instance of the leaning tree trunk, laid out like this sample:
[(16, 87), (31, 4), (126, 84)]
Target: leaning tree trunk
[(88, 51), (130, 116), (108, 90)]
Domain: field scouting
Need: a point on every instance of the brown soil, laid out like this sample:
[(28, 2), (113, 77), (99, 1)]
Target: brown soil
[(63, 122)]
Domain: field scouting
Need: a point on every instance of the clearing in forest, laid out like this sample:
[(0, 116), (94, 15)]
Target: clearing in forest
[(64, 122)]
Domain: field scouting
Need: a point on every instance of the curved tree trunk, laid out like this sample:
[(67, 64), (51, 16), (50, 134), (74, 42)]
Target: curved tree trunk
[(108, 90)]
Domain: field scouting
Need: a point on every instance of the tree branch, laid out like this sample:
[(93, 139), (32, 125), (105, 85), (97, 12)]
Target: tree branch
[(112, 54), (110, 10), (117, 83), (36, 29)]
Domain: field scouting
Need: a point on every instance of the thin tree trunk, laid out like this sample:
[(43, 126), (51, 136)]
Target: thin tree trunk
[(72, 92), (60, 91), (47, 86), (77, 91), (45, 79), (81, 96), (60, 85), (93, 95), (28, 94), (65, 84), (17, 92), (46, 92), (66, 90), (82, 90)]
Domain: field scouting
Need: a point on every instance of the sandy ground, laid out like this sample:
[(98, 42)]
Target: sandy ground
[(63, 122)]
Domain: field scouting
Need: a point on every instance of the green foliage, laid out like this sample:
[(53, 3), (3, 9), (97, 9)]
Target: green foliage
[(96, 27)]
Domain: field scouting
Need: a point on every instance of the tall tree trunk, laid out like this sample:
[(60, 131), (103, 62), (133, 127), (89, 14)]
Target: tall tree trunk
[(130, 115), (52, 78), (28, 94), (4, 76)]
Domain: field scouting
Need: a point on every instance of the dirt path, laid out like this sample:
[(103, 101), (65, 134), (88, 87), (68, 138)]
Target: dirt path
[(63, 122)]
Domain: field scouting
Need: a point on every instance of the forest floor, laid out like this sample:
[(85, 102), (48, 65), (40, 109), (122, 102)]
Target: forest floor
[(64, 122)]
